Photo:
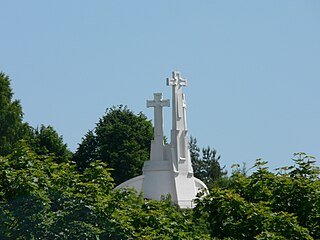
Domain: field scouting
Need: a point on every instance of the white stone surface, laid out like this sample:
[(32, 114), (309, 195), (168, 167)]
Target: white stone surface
[(169, 170), (157, 143)]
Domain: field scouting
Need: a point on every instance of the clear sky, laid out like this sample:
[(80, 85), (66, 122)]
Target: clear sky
[(253, 68)]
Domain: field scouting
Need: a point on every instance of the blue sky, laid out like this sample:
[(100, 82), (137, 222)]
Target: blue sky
[(253, 68)]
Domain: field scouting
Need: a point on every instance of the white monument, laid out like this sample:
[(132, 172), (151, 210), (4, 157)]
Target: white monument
[(169, 170)]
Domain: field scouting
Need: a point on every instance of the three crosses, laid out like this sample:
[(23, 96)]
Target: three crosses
[(158, 103)]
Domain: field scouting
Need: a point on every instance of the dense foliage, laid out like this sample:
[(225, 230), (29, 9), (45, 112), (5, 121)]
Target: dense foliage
[(266, 205), (12, 128), (46, 141), (206, 166), (121, 139), (41, 199)]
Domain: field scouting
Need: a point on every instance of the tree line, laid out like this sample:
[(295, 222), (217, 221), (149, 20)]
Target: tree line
[(48, 192)]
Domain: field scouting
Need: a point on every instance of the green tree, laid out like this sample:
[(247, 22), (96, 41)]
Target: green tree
[(121, 139), (45, 141), (12, 128), (87, 151), (266, 205), (41, 199), (206, 166), (149, 219), (231, 216)]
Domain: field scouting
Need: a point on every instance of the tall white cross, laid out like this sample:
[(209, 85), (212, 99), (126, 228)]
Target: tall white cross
[(176, 80), (178, 103), (158, 103)]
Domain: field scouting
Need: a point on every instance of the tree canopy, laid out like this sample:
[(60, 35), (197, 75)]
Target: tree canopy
[(12, 128), (266, 205), (46, 141), (121, 139), (42, 199), (206, 166)]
